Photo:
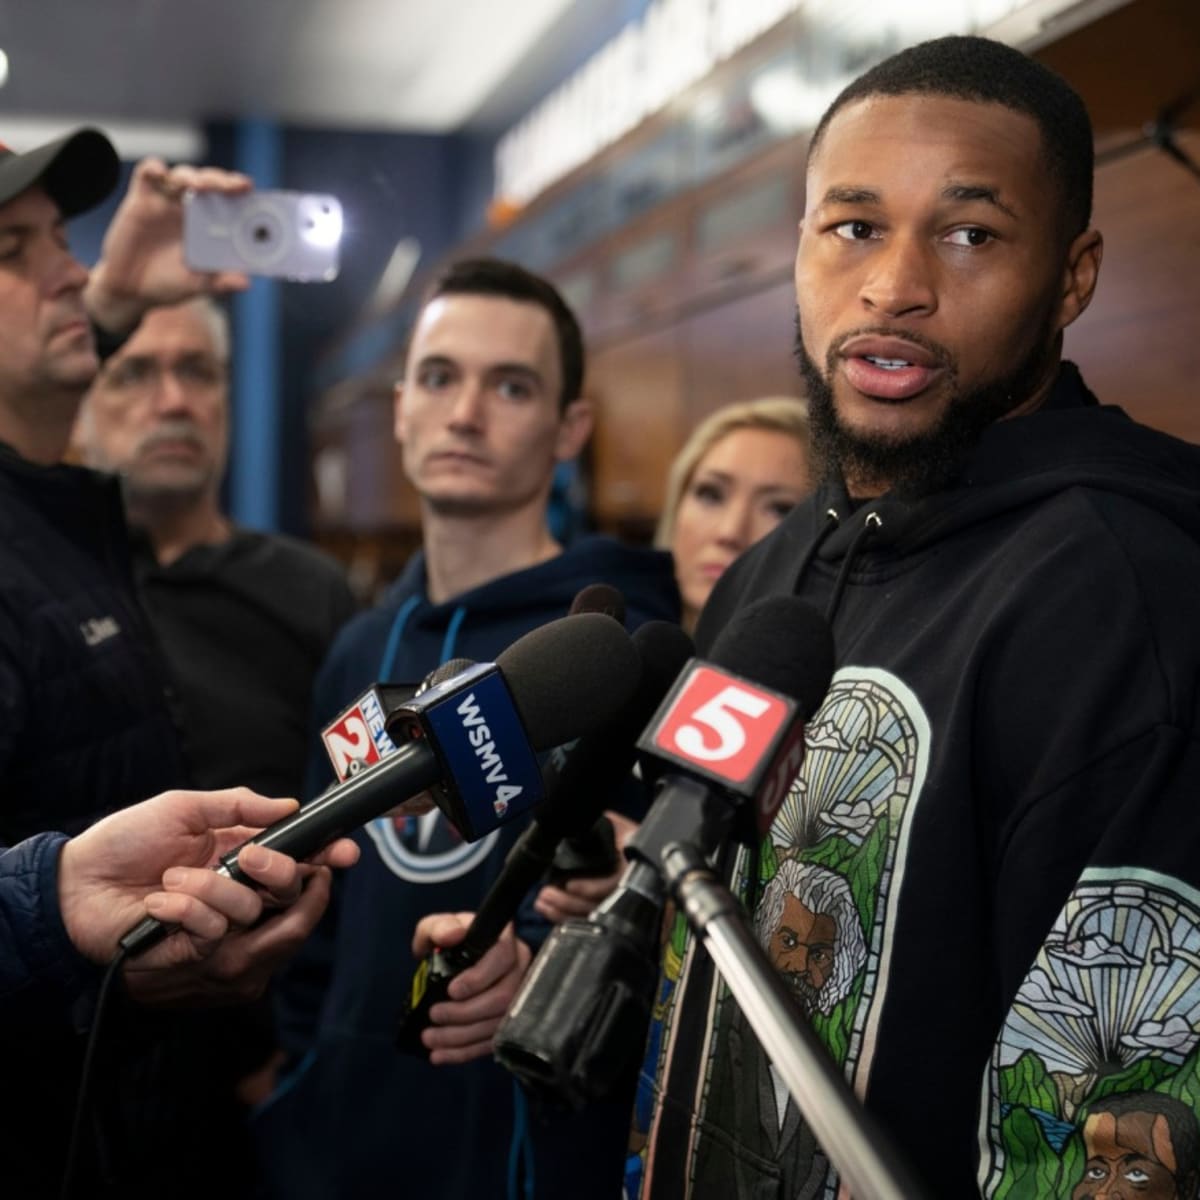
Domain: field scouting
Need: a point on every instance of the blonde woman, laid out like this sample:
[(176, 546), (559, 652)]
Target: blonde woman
[(739, 474)]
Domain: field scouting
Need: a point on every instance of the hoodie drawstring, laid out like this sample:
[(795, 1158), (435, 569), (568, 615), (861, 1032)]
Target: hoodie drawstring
[(832, 520), (388, 662), (871, 522), (452, 629)]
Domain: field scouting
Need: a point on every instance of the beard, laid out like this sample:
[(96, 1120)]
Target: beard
[(167, 488), (922, 463), (808, 996)]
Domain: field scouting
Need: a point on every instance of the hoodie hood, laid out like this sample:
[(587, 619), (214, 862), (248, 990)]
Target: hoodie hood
[(1071, 442), (644, 577), (520, 600)]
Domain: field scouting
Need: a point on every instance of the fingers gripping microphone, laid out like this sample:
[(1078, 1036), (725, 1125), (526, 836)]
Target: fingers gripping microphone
[(579, 785), (469, 741), (730, 737)]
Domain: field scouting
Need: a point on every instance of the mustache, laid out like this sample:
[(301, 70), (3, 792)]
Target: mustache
[(174, 430), (939, 352)]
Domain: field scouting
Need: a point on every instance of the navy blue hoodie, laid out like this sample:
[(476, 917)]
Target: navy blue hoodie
[(356, 1118), (998, 816)]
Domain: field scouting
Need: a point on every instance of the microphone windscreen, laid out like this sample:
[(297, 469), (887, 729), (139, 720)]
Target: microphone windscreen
[(448, 669), (570, 676), (663, 648), (782, 643), (599, 598)]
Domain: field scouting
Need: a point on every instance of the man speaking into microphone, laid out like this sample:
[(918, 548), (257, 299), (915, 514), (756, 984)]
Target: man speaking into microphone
[(983, 887), (489, 406)]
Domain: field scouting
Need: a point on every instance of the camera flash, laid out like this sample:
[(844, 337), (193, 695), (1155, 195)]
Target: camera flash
[(323, 227)]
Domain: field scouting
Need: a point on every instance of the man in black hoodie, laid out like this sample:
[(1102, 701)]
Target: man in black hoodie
[(1005, 770)]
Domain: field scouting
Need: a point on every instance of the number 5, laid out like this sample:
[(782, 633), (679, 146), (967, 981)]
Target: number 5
[(718, 715)]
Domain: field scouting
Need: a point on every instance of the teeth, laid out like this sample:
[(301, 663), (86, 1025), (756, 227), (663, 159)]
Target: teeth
[(890, 364)]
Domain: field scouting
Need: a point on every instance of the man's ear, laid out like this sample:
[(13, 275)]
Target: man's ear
[(1080, 274), (397, 411), (574, 429)]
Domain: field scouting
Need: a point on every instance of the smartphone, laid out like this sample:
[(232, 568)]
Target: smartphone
[(288, 235)]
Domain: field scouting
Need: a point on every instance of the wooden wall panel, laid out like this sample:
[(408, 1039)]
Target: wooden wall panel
[(1139, 343), (740, 350), (638, 390)]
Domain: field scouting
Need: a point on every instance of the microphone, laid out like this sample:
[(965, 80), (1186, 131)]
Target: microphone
[(591, 850), (579, 784), (730, 738), (735, 724), (357, 737), (470, 741), (599, 598)]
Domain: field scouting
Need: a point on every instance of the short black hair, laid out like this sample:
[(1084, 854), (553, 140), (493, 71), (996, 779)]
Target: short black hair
[(1181, 1121), (496, 277), (975, 68)]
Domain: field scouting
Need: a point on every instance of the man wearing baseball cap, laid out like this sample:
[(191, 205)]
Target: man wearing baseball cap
[(85, 726)]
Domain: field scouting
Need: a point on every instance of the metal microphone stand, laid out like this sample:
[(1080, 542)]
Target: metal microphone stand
[(671, 839)]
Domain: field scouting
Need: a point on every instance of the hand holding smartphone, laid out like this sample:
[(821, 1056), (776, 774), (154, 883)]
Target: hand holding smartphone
[(286, 235)]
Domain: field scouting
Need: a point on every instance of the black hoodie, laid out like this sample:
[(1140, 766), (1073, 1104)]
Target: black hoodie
[(999, 816), (356, 1118)]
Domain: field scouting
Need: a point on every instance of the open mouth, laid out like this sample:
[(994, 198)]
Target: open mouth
[(888, 369)]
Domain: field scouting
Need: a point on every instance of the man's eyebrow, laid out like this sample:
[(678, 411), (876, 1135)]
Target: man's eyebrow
[(968, 191), (437, 360), (515, 368), (27, 228), (120, 361), (850, 195)]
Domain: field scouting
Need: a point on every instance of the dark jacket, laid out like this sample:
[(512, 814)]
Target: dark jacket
[(41, 972), (243, 626), (84, 724), (85, 729), (998, 809), (357, 1117)]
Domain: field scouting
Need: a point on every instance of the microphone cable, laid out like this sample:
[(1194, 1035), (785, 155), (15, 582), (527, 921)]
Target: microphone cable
[(85, 1078)]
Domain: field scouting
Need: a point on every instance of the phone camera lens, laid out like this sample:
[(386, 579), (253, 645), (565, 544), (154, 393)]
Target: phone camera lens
[(262, 233)]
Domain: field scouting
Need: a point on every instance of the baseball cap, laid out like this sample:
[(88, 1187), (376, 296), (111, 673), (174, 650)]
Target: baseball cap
[(77, 171)]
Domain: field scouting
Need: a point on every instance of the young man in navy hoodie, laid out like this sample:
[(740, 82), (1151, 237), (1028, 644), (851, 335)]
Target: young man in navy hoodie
[(490, 404), (1005, 771)]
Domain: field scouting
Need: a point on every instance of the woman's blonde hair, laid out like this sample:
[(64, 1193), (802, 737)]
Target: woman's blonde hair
[(778, 414)]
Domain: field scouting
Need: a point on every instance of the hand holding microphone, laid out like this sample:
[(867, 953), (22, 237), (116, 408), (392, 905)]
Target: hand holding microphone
[(580, 782), (464, 1019), (153, 856), (470, 740)]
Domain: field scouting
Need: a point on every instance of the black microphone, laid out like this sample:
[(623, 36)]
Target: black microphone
[(730, 737), (588, 850), (599, 598), (358, 736), (579, 783), (470, 741)]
